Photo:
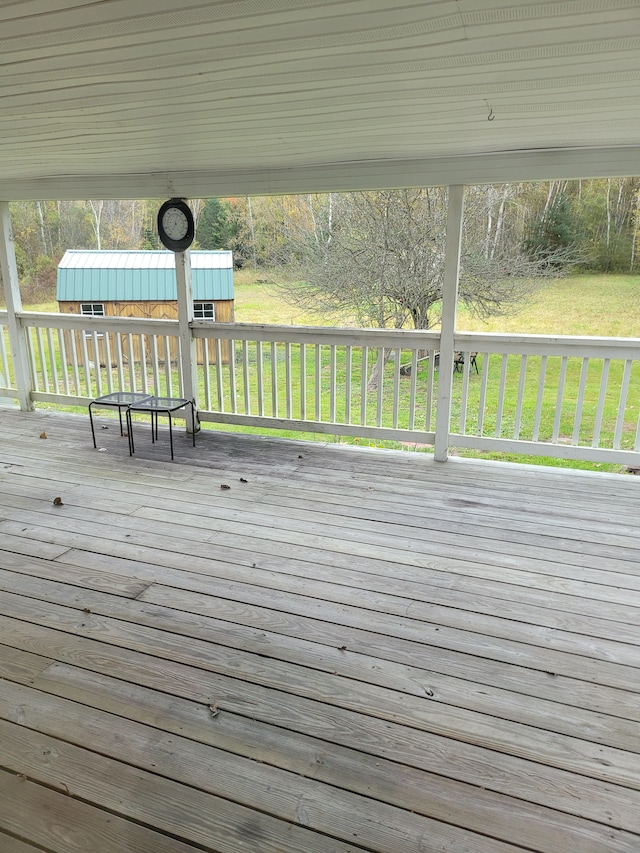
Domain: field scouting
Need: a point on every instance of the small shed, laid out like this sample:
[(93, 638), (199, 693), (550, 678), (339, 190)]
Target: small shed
[(143, 284)]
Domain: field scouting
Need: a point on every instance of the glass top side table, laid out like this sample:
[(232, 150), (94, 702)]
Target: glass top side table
[(160, 406), (117, 399)]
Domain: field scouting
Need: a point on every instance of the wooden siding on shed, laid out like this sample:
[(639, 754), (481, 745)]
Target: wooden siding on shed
[(154, 311)]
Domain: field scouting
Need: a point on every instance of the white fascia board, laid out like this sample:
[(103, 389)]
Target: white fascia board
[(500, 167)]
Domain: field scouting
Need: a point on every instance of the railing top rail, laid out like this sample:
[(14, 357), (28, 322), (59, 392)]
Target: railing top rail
[(146, 325), (578, 346), (317, 334)]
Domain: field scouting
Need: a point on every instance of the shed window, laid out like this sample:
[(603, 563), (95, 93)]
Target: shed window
[(203, 311), (92, 309)]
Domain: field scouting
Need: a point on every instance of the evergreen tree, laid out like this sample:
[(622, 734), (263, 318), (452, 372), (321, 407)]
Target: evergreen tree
[(552, 236), (215, 226)]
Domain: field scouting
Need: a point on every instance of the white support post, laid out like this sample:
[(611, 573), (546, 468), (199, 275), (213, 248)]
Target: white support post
[(17, 340), (449, 307), (188, 353)]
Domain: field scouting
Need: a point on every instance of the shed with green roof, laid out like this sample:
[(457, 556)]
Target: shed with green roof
[(143, 284)]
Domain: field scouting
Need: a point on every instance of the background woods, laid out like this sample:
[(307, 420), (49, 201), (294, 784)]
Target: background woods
[(374, 242)]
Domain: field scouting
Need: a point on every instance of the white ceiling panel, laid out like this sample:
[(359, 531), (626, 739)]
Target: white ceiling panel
[(132, 98)]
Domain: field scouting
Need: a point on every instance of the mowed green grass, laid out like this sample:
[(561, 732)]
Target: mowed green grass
[(585, 305), (589, 305), (579, 305)]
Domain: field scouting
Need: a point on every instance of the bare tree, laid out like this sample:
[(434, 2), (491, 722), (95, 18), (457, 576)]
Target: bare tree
[(381, 260), (96, 209)]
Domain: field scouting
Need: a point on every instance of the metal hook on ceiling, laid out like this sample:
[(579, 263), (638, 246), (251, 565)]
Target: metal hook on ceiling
[(491, 116)]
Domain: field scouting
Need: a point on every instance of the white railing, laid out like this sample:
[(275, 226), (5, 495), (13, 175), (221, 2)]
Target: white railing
[(74, 359), (335, 381), (568, 397)]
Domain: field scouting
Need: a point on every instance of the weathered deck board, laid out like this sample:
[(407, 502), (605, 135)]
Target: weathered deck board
[(401, 655)]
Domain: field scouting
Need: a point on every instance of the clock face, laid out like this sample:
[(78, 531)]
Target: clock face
[(175, 223)]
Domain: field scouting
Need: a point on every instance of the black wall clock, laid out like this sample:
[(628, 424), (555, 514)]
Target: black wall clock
[(175, 225)]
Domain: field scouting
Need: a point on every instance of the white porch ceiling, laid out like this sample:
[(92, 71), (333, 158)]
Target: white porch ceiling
[(153, 98)]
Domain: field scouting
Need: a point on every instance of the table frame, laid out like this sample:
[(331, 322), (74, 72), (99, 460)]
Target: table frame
[(160, 406), (117, 399)]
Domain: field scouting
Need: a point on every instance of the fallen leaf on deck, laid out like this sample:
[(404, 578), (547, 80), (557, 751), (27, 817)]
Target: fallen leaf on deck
[(102, 450), (224, 486), (104, 427), (242, 480), (214, 710), (43, 435), (57, 502)]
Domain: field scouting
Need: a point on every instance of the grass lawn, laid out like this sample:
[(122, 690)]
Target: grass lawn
[(590, 305), (578, 305)]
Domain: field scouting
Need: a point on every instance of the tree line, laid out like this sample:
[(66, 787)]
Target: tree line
[(513, 229)]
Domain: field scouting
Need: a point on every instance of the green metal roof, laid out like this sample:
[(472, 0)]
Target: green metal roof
[(114, 276)]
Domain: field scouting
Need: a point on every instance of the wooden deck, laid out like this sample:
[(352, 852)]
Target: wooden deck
[(345, 650)]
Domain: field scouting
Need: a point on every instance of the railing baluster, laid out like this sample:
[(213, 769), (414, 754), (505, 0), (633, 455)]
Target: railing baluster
[(500, 406), (31, 347), (622, 405), (52, 361), (120, 360), (207, 378), (85, 364), (179, 366), (232, 376), (155, 367), (274, 380), (379, 389), (109, 360), (259, 366), (143, 364), (396, 388), (43, 362), (521, 386), (303, 381), (288, 379), (132, 365), (431, 382), (318, 380), (364, 378), (219, 375), (577, 421), (412, 390), (3, 356), (74, 361), (465, 393), (541, 378), (482, 401), (168, 370), (96, 363), (559, 400), (348, 366), (332, 383), (601, 401), (245, 377), (63, 362)]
